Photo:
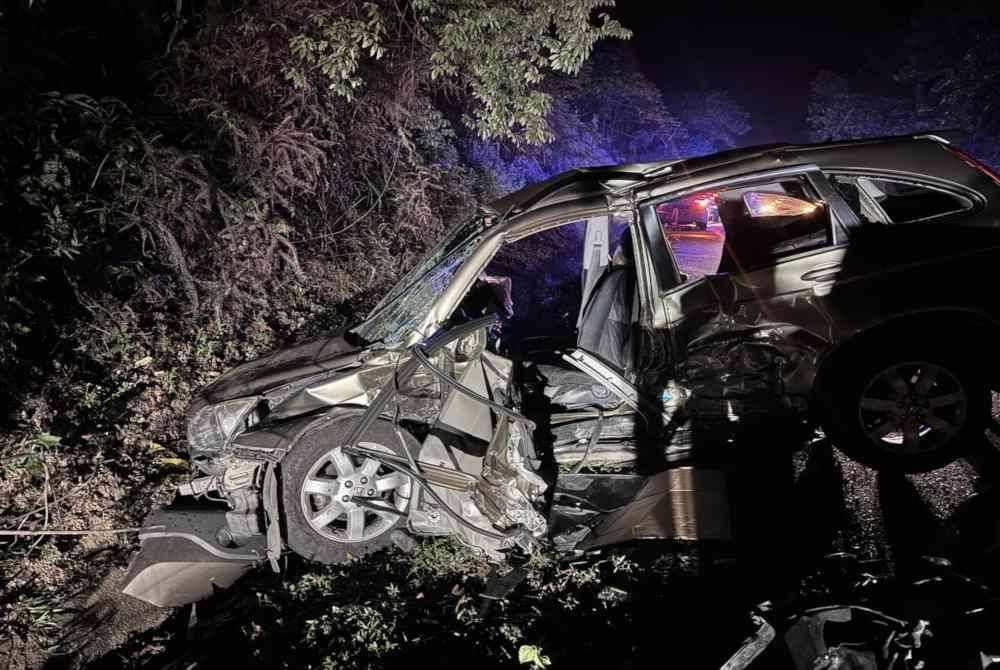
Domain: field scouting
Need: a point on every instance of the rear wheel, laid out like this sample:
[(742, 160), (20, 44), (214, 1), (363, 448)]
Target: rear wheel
[(909, 408), (337, 504)]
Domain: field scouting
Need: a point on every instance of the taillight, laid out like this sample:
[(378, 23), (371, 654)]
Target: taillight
[(972, 162)]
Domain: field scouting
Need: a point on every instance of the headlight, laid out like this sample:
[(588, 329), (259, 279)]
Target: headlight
[(211, 427)]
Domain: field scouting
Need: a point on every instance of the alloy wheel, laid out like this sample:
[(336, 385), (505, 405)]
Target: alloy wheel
[(353, 498), (912, 408)]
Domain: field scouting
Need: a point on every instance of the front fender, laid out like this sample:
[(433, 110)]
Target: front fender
[(186, 553), (272, 443)]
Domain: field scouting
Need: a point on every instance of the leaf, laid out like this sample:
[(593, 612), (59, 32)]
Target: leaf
[(529, 654), (48, 439)]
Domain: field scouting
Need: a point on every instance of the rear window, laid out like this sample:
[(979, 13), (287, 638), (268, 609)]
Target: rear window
[(877, 200)]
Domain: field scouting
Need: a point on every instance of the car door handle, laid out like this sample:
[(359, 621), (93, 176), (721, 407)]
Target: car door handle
[(822, 273)]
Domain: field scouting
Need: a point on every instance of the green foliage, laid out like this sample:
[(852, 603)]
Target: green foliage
[(362, 612), (496, 53), (714, 120), (335, 45), (837, 110), (501, 52), (33, 618), (26, 455), (529, 654), (933, 82), (393, 610), (609, 113), (51, 157)]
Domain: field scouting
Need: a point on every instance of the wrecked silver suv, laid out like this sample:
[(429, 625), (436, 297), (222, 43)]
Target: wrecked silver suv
[(554, 373)]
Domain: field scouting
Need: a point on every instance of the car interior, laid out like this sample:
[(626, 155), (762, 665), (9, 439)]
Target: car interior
[(883, 201), (748, 227), (566, 289)]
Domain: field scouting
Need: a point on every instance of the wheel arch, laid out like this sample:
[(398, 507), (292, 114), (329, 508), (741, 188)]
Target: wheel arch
[(930, 322), (276, 441)]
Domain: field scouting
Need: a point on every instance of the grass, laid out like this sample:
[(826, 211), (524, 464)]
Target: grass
[(426, 608)]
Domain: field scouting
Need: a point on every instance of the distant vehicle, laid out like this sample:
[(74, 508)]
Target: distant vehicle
[(695, 211), (549, 374)]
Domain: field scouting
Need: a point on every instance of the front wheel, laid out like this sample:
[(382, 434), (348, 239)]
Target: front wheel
[(906, 408), (336, 504)]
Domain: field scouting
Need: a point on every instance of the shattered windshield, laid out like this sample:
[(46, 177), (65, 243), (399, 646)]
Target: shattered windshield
[(406, 304)]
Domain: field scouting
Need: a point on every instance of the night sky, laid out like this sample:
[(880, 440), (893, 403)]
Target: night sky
[(764, 56)]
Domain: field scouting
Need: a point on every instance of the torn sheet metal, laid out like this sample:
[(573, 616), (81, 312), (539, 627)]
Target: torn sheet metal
[(308, 360), (186, 554), (508, 489), (732, 358), (753, 646), (683, 503)]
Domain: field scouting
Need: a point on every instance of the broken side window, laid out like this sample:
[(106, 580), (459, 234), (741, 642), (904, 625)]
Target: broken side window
[(694, 233), (877, 200)]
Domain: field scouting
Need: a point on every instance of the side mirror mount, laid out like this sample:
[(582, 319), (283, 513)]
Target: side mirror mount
[(762, 204)]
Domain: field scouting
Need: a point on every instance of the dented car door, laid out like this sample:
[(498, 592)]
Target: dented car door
[(743, 303)]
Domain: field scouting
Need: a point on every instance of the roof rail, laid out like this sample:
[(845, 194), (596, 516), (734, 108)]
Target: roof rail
[(931, 136), (944, 135), (950, 136)]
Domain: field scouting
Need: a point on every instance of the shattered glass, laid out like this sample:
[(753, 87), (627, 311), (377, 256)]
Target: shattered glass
[(402, 315), (402, 309)]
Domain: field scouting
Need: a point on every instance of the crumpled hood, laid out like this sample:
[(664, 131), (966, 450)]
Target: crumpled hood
[(280, 367)]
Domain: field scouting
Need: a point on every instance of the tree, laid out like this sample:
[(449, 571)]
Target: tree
[(714, 121), (609, 114), (623, 107), (495, 53), (946, 75), (836, 111), (956, 82)]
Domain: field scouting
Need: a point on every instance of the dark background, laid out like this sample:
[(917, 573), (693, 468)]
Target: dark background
[(766, 55)]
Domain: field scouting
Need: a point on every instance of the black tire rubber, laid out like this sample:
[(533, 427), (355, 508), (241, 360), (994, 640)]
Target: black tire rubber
[(854, 368), (299, 536)]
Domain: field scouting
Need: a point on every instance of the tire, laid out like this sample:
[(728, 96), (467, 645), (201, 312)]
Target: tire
[(314, 459), (898, 406)]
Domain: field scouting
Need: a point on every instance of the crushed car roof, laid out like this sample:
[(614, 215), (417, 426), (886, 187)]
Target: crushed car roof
[(574, 183), (882, 152)]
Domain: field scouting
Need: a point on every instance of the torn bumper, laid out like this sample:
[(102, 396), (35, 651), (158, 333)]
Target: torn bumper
[(187, 554)]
